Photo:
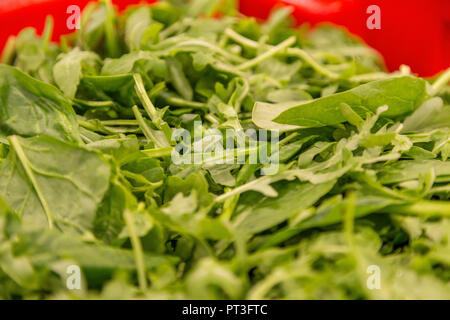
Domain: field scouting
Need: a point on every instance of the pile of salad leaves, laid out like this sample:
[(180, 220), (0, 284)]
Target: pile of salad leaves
[(86, 176)]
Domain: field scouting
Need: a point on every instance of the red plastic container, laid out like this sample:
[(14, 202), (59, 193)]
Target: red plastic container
[(412, 32)]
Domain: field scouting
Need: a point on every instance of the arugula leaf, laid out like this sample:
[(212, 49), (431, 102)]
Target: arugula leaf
[(412, 169), (402, 96), (68, 71), (264, 213)]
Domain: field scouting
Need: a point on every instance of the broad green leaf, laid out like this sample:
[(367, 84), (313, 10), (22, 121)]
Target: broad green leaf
[(29, 107), (51, 183)]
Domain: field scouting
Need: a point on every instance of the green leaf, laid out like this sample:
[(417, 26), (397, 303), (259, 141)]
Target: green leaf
[(402, 96), (29, 107), (138, 61), (135, 27), (124, 150), (407, 170), (69, 69), (195, 181), (261, 213), (178, 79), (430, 115), (51, 183)]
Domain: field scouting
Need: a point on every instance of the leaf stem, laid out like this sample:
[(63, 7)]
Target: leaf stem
[(48, 31), (145, 100), (213, 48), (315, 65), (179, 102), (110, 32), (9, 50), (158, 153), (119, 122), (233, 35), (424, 208), (266, 55), (150, 108), (442, 81), (146, 129), (291, 51), (137, 250), (229, 205), (95, 104)]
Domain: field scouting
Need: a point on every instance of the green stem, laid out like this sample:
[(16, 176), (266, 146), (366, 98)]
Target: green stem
[(145, 100), (176, 27), (140, 179), (85, 18), (110, 32), (65, 46), (309, 60), (288, 138), (211, 118), (439, 189), (238, 101), (424, 208), (291, 51), (214, 48), (146, 129), (440, 82), (90, 126), (178, 102), (233, 35), (95, 104), (9, 50), (137, 250), (229, 206), (158, 153), (120, 122), (150, 108), (48, 31), (266, 55)]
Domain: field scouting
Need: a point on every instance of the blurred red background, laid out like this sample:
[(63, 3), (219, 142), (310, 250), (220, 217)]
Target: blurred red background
[(413, 32)]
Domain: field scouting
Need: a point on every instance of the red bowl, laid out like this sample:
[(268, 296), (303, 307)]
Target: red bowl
[(413, 32)]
